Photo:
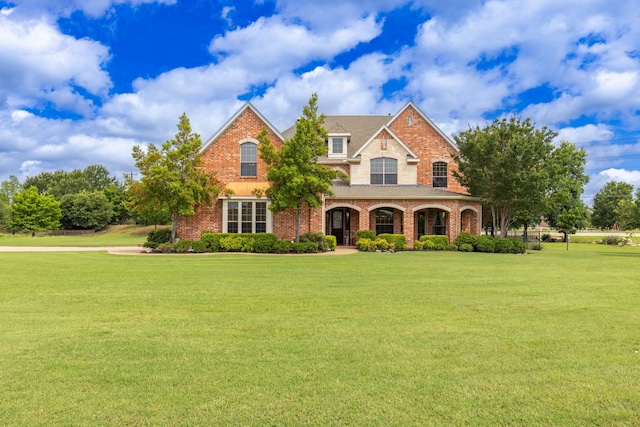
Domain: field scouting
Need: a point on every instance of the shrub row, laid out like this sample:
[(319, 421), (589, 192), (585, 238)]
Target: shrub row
[(490, 244), (237, 242)]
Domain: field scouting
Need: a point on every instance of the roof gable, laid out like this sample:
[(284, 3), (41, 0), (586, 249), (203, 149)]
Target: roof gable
[(233, 118), (393, 136), (410, 104)]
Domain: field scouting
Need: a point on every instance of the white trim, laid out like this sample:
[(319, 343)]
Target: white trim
[(393, 136), (342, 205), (468, 207), (225, 213), (430, 206), (248, 140), (386, 205)]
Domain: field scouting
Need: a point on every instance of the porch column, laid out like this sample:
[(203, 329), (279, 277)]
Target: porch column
[(408, 225), (363, 224)]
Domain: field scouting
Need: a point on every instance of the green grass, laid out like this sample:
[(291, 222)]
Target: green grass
[(121, 235), (424, 338)]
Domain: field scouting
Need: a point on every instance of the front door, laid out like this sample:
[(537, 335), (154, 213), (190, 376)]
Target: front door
[(338, 225)]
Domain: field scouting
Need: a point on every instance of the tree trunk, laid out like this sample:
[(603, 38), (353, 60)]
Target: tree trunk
[(525, 236), (298, 220), (174, 227)]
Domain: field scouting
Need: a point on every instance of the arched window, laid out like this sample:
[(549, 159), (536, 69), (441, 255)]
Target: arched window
[(440, 174), (248, 159), (384, 171)]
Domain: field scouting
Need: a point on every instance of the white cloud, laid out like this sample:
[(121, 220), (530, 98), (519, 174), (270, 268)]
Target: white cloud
[(93, 8), (39, 65)]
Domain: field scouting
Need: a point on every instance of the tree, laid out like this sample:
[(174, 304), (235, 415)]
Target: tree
[(172, 176), (565, 210), (607, 200), (627, 213), (8, 189), (86, 210), (505, 164), (33, 212), (294, 173)]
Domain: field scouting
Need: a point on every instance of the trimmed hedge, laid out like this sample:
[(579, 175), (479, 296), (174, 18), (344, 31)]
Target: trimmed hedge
[(365, 234), (368, 245), (159, 236), (443, 241), (332, 242), (399, 241), (465, 238)]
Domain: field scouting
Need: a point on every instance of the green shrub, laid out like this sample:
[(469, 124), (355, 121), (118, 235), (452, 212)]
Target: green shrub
[(381, 244), (452, 247), (159, 236), (537, 246), (465, 238), (440, 246), (399, 241), (428, 245), (182, 246), (612, 240), (331, 242), (547, 237), (212, 240), (151, 245), (465, 247), (164, 248), (436, 239), (282, 247), (502, 246), (484, 244), (307, 247), (199, 247), (263, 242), (365, 234), (518, 246), (418, 245), (364, 244), (317, 238)]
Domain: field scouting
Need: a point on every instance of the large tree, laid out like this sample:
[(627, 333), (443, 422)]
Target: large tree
[(172, 176), (33, 212), (294, 173), (607, 200), (627, 213), (505, 164), (565, 210), (8, 189), (86, 210)]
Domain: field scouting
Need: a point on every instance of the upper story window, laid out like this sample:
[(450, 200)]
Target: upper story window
[(248, 159), (440, 174), (384, 171), (337, 145)]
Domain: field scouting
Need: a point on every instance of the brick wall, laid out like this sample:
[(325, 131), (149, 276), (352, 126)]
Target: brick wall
[(425, 141)]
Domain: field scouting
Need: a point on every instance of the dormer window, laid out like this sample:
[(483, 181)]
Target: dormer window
[(337, 145)]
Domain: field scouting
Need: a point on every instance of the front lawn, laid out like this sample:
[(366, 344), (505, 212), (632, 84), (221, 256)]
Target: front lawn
[(411, 338)]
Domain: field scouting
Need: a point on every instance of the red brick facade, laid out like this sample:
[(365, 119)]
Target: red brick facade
[(448, 212)]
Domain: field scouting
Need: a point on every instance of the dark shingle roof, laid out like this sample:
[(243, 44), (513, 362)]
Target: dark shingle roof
[(361, 128)]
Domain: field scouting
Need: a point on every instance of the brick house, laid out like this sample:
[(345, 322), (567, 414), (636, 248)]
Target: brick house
[(400, 180)]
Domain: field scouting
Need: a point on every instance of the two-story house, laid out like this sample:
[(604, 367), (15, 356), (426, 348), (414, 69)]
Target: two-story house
[(400, 180)]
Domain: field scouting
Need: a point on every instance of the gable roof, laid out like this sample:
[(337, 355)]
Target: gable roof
[(426, 119), (364, 128), (247, 105), (393, 136)]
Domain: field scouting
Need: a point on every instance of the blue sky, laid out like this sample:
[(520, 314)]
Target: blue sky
[(83, 81)]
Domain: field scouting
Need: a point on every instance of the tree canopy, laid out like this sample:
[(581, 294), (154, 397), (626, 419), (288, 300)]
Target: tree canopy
[(506, 165), (294, 173), (33, 212), (606, 201), (86, 210), (172, 176)]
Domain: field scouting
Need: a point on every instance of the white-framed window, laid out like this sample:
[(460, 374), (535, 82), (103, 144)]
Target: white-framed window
[(384, 171), (440, 174), (246, 216), (337, 145), (249, 159)]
